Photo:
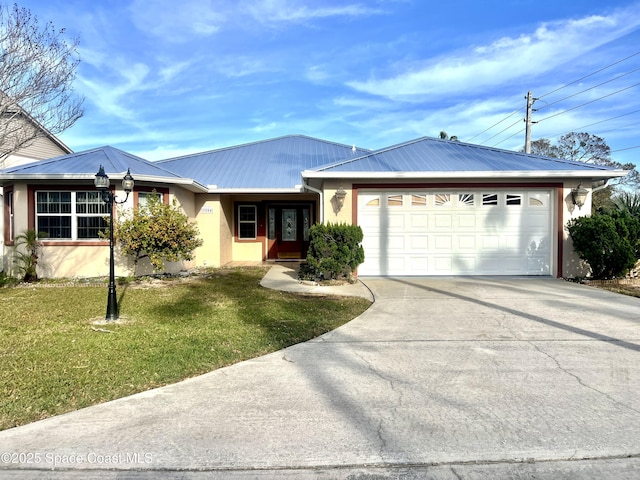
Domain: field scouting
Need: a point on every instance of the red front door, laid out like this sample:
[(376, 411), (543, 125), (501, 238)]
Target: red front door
[(288, 231)]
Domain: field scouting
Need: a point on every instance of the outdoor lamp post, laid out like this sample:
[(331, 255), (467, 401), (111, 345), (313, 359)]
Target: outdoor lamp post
[(102, 184)]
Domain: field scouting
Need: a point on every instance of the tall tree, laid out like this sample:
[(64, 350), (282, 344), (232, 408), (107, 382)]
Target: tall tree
[(588, 148), (37, 70), (543, 147)]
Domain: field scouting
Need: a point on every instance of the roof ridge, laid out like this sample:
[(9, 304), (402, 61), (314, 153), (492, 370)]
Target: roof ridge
[(457, 143), (369, 154), (256, 142)]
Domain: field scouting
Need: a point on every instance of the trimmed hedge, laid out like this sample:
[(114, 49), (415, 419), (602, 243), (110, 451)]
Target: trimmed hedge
[(335, 250), (609, 243)]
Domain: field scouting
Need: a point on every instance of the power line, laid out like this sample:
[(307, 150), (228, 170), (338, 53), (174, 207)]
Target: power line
[(504, 140), (586, 90), (590, 75), (496, 124), (623, 149), (504, 130), (588, 103), (601, 121), (617, 128), (565, 98)]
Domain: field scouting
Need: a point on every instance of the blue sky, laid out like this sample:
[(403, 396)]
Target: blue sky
[(164, 78)]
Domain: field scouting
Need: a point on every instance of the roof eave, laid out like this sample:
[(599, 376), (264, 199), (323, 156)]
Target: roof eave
[(215, 189), (186, 183), (471, 174)]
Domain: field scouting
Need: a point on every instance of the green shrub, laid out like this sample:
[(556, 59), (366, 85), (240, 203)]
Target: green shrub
[(609, 243), (6, 280), (27, 254), (335, 250), (159, 231)]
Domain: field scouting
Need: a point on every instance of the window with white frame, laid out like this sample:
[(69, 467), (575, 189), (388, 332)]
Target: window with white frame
[(70, 215), (247, 222), (143, 198)]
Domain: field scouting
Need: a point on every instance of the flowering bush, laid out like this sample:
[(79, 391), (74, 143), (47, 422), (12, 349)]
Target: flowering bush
[(158, 231)]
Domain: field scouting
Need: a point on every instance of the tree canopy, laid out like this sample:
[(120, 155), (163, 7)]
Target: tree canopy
[(37, 69), (588, 148)]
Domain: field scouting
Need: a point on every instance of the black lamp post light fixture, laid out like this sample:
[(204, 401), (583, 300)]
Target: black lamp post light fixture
[(102, 183)]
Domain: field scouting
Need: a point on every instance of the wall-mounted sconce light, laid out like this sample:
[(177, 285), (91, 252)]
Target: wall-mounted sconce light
[(340, 195), (579, 195)]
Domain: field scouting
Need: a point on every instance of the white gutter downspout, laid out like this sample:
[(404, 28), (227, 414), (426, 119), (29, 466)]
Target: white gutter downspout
[(319, 192), (594, 189)]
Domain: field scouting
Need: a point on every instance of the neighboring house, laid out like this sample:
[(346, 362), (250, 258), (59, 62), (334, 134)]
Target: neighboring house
[(427, 207), (46, 145)]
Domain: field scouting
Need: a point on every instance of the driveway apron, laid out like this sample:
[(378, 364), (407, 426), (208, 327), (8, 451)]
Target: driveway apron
[(439, 371)]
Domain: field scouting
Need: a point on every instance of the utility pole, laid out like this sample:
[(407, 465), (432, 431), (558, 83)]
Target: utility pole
[(528, 122)]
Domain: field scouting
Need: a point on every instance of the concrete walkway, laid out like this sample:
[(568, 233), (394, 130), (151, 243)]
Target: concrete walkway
[(285, 277), (442, 378)]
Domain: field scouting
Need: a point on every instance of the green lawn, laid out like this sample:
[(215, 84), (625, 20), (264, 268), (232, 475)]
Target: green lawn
[(54, 359)]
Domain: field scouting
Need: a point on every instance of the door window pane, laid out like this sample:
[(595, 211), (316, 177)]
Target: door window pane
[(289, 225)]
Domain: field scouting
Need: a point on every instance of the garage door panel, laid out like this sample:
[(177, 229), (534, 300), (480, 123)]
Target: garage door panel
[(442, 220), (513, 242), (393, 221), (466, 221), (536, 220), (490, 242), (450, 233), (418, 221), (418, 264), (442, 242), (467, 243), (419, 242), (396, 243), (442, 265)]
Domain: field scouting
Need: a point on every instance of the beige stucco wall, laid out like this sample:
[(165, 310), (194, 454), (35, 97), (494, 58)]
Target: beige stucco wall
[(207, 209), (58, 260), (226, 230), (332, 212), (572, 265)]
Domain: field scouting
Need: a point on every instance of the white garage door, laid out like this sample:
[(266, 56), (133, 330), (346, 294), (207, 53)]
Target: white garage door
[(501, 232)]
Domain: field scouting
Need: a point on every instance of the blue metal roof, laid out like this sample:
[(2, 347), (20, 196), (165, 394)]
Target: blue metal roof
[(267, 164), (115, 162), (280, 163), (435, 155)]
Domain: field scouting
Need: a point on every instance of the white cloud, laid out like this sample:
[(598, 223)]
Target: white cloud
[(173, 69), (504, 60), (292, 11), (264, 127), (241, 66), (179, 21)]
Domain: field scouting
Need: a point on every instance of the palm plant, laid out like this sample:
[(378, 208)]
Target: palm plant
[(628, 202), (27, 252)]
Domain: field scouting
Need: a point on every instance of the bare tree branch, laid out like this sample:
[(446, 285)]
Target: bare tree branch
[(37, 69)]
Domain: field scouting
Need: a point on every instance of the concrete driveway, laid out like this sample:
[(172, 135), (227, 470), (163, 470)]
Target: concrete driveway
[(440, 378)]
